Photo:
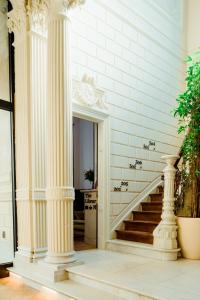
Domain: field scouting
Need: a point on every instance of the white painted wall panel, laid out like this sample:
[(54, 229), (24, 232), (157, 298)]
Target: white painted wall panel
[(134, 51)]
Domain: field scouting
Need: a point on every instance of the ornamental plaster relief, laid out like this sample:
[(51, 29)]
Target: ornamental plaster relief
[(87, 94)]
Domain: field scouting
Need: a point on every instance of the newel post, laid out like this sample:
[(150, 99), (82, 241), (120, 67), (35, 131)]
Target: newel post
[(165, 234)]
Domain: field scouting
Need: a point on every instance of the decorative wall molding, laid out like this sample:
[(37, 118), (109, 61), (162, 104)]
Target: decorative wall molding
[(86, 93)]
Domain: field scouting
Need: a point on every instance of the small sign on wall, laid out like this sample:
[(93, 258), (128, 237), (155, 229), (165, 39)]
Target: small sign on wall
[(90, 207), (122, 188), (137, 165), (150, 146), (117, 189)]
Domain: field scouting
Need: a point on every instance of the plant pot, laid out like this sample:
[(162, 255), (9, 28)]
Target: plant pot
[(189, 237)]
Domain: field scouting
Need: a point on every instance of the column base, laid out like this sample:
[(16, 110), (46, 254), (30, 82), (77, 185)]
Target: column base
[(43, 270), (60, 258), (57, 272), (165, 237)]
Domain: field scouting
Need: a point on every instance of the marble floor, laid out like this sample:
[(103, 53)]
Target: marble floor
[(13, 289), (175, 280), (172, 280)]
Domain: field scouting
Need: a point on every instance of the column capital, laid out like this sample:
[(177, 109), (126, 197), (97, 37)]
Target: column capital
[(62, 6), (17, 19), (26, 16), (37, 13), (33, 14), (170, 159)]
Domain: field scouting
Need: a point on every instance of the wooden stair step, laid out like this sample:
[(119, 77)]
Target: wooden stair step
[(156, 197), (145, 226), (149, 206), (147, 215), (135, 236)]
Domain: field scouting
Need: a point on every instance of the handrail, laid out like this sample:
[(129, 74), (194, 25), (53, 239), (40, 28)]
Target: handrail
[(180, 154)]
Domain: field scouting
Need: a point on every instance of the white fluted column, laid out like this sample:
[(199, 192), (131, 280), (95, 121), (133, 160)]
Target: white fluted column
[(38, 41), (30, 111), (165, 234), (59, 192), (18, 23)]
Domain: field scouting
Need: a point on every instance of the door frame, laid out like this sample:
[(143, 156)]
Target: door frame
[(102, 119)]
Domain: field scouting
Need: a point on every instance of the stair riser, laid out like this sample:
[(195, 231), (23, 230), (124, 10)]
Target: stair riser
[(151, 206), (135, 238), (140, 227), (114, 290), (156, 197), (141, 250), (142, 216)]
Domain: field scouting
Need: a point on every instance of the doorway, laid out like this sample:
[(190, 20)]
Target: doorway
[(85, 172)]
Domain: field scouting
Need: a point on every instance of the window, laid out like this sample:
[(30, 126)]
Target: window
[(7, 195)]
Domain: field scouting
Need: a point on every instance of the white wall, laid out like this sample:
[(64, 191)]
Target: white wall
[(83, 152), (134, 50), (193, 25)]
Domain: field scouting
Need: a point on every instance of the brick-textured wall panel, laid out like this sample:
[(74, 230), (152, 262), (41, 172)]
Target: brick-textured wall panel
[(134, 50)]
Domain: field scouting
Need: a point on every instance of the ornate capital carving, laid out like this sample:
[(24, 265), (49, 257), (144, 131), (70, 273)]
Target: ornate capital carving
[(37, 12), (74, 3), (62, 6), (86, 93), (17, 21)]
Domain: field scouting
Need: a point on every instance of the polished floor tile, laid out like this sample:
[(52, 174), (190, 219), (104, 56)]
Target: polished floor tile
[(11, 289), (170, 280)]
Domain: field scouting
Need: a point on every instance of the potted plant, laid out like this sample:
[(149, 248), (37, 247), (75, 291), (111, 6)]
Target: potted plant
[(89, 175), (187, 197)]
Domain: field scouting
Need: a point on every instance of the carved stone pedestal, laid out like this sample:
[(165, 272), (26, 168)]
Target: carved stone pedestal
[(165, 234)]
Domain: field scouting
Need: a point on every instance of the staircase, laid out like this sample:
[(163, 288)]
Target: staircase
[(140, 228)]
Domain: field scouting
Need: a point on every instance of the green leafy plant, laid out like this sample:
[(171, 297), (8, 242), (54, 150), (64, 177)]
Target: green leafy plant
[(188, 113)]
